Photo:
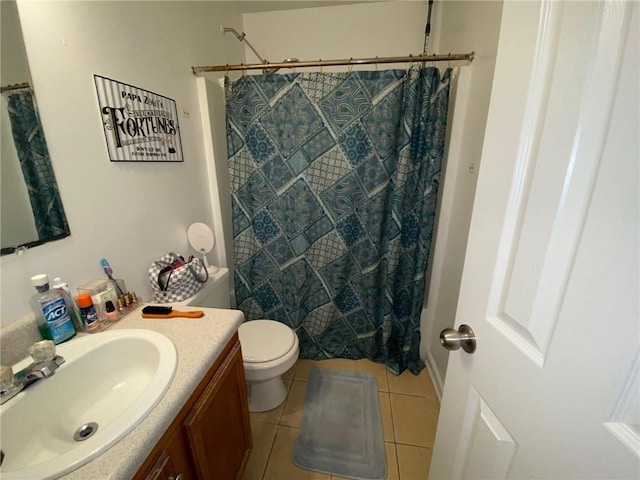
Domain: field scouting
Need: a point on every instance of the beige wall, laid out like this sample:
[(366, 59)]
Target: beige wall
[(130, 213), (367, 30), (464, 26)]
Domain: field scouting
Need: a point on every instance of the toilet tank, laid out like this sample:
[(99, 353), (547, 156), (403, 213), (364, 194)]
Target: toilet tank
[(214, 294)]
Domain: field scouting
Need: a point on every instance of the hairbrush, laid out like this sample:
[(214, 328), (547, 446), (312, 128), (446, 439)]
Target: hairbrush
[(160, 311)]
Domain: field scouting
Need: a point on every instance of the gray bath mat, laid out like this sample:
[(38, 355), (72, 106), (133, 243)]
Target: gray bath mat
[(341, 428)]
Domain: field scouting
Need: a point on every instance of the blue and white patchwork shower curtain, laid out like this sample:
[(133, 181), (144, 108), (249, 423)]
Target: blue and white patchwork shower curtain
[(28, 136), (334, 182)]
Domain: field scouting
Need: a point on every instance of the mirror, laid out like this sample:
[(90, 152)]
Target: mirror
[(31, 211)]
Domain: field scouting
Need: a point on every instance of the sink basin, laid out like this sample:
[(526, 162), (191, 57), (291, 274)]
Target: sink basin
[(111, 379)]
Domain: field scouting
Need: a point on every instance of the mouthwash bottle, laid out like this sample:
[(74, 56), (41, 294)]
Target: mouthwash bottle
[(52, 313)]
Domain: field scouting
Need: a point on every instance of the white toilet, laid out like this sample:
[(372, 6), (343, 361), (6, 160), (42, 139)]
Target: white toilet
[(269, 348)]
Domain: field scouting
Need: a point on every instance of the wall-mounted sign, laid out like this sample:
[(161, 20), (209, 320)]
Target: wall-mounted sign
[(139, 125)]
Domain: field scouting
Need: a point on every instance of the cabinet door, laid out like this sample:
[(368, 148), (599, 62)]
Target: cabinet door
[(173, 462), (218, 428)]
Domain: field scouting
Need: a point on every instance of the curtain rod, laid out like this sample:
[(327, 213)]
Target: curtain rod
[(466, 57), (17, 86)]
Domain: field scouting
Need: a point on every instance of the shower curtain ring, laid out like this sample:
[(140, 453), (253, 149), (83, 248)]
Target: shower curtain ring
[(320, 62), (376, 63), (350, 68)]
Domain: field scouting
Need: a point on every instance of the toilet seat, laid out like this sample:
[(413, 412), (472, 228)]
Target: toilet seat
[(265, 340)]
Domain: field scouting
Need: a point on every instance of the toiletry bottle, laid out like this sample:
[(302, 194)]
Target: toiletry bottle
[(74, 311), (111, 313), (52, 314), (88, 311)]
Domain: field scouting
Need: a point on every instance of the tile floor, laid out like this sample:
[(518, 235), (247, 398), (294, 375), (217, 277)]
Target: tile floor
[(409, 408)]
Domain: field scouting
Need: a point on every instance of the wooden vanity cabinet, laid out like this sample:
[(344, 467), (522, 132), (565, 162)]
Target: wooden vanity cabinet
[(211, 436)]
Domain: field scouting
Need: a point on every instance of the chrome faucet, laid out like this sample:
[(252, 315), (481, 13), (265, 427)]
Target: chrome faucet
[(28, 376)]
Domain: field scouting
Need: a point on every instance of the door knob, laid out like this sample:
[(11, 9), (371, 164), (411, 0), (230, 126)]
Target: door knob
[(463, 337)]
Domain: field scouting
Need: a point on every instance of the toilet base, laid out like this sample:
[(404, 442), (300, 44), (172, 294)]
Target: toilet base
[(266, 395)]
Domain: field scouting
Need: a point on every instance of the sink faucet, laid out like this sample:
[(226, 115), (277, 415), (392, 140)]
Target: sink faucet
[(28, 376)]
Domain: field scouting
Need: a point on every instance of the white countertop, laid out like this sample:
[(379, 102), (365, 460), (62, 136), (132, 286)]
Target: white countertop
[(198, 342)]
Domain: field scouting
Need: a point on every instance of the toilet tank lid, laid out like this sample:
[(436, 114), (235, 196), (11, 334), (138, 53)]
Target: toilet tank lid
[(265, 340)]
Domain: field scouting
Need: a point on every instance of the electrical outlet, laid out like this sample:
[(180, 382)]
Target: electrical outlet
[(186, 113)]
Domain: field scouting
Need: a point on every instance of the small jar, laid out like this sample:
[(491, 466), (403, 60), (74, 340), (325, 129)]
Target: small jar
[(88, 311)]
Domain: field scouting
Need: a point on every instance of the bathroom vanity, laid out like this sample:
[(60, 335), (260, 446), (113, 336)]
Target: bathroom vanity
[(211, 436), (200, 428)]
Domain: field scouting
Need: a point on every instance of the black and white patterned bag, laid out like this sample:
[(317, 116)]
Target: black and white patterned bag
[(174, 280)]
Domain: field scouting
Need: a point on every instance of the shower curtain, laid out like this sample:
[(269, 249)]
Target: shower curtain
[(334, 180), (35, 163)]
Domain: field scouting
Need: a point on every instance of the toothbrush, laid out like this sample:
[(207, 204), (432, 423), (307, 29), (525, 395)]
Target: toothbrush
[(109, 272)]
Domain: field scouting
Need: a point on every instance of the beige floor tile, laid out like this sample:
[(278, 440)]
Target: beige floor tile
[(414, 419), (292, 413), (263, 435), (392, 461), (280, 465), (272, 416), (304, 367), (387, 420), (413, 462), (367, 366), (409, 384)]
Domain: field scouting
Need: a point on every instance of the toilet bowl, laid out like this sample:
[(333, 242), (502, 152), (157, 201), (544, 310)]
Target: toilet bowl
[(269, 349)]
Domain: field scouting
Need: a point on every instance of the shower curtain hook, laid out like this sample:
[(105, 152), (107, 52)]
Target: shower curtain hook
[(350, 68), (320, 62), (376, 63), (449, 63)]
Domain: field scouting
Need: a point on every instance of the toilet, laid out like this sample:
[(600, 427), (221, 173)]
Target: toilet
[(269, 348), (214, 293)]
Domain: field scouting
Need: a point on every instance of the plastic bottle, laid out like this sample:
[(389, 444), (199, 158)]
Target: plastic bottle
[(52, 313), (76, 316), (89, 313)]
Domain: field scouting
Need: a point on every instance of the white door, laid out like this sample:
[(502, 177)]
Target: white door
[(550, 283)]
